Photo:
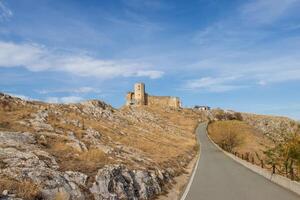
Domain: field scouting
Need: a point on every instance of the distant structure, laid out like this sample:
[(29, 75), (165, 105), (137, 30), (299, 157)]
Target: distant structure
[(202, 107), (140, 98)]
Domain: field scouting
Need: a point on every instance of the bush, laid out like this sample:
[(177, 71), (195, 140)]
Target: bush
[(222, 115), (227, 134), (230, 140)]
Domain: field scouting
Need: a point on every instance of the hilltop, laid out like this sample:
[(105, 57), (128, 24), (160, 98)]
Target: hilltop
[(92, 150)]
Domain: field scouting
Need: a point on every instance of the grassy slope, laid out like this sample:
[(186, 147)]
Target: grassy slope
[(252, 140)]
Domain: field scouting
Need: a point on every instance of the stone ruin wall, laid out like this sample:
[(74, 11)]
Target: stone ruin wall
[(139, 98), (163, 101)]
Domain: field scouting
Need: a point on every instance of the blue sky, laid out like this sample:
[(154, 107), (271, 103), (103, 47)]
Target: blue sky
[(234, 54)]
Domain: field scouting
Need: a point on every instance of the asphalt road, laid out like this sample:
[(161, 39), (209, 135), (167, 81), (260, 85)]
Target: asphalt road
[(220, 178)]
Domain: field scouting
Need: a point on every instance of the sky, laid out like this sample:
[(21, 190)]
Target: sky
[(233, 54)]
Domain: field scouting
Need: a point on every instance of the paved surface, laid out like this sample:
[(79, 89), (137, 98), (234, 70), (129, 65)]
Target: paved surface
[(218, 177)]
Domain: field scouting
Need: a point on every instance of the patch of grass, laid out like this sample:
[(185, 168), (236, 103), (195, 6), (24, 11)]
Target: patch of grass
[(25, 189), (93, 155), (62, 196), (248, 138), (4, 125)]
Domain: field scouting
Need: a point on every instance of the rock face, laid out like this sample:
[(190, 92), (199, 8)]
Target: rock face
[(97, 109), (21, 160), (117, 182)]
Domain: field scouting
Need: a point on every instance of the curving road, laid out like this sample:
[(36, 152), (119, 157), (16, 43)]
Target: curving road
[(220, 178)]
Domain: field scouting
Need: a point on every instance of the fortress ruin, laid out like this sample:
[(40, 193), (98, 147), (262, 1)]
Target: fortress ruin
[(140, 98)]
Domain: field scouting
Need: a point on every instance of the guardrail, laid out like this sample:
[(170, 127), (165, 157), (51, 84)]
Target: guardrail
[(266, 172), (291, 172)]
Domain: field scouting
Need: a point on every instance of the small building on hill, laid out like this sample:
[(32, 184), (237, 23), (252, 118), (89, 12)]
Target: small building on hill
[(202, 107), (139, 97)]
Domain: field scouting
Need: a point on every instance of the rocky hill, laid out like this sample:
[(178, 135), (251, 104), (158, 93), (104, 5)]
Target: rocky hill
[(275, 128), (91, 150)]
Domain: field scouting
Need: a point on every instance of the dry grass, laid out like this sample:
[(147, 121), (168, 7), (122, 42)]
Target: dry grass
[(253, 141), (9, 119), (93, 155), (167, 140), (70, 159), (62, 196), (24, 189)]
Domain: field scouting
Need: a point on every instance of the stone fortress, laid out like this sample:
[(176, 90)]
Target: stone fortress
[(140, 98)]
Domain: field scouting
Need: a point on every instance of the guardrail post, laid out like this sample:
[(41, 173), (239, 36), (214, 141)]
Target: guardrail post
[(273, 169), (262, 163), (292, 173), (247, 157)]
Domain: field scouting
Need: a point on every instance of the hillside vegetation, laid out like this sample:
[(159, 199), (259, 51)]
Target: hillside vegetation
[(266, 140), (91, 150)]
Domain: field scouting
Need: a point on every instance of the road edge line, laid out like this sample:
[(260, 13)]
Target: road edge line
[(282, 181), (191, 179)]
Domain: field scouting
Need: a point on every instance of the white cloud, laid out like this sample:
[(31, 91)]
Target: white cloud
[(247, 70), (212, 84), (266, 11), (153, 74), (67, 99), (38, 58), (85, 90), (5, 12), (80, 90)]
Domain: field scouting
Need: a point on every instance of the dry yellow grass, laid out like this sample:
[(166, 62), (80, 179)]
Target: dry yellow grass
[(62, 196), (24, 189), (9, 119), (253, 141), (93, 155), (71, 159)]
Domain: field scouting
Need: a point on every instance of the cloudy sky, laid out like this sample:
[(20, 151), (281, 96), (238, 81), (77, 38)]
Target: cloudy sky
[(235, 54)]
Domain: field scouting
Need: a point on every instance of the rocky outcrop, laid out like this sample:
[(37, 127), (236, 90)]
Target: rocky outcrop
[(275, 128), (117, 182), (21, 160), (95, 109)]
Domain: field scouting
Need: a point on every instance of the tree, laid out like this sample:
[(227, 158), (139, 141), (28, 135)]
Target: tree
[(286, 153), (230, 139)]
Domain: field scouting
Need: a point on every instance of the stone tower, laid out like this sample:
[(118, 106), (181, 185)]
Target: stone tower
[(139, 94)]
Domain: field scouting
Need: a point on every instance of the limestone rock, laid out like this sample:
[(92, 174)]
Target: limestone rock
[(39, 121), (118, 182)]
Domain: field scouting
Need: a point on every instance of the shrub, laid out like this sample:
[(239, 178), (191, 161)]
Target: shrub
[(230, 139), (227, 134), (238, 116), (286, 153)]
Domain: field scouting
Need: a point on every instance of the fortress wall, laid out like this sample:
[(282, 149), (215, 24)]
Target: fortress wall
[(163, 101)]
